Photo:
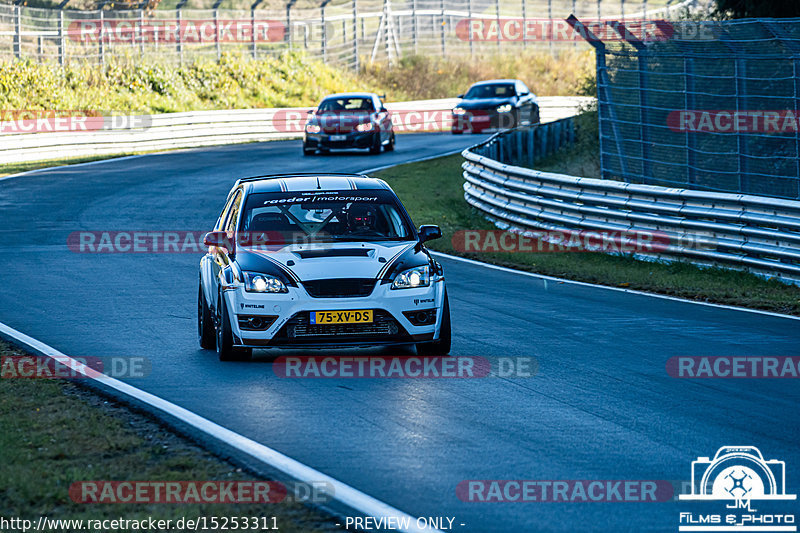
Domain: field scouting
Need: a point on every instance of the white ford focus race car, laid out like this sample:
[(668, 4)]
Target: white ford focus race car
[(319, 261)]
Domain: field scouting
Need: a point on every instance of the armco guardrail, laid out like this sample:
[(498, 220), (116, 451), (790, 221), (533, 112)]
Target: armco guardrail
[(204, 128), (756, 233)]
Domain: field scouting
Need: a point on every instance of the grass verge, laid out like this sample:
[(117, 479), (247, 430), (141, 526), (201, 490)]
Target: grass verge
[(443, 204), (56, 433), (129, 84)]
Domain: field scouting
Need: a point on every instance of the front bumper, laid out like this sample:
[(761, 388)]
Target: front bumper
[(290, 326), (353, 139), (481, 120)]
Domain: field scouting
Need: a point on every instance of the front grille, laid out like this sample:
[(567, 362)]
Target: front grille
[(340, 287), (382, 325)]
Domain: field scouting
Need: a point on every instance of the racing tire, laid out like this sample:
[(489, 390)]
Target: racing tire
[(390, 147), (441, 346), (376, 145), (225, 349), (205, 322)]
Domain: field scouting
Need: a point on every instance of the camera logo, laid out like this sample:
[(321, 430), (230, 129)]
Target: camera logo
[(738, 473)]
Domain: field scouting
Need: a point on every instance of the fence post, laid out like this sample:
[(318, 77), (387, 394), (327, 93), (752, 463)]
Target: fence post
[(17, 32), (599, 14), (61, 42), (740, 74), (101, 38), (324, 32), (355, 35), (179, 37), (524, 18), (497, 18), (688, 99), (289, 37), (253, 29), (550, 25), (414, 23), (469, 18), (444, 50), (142, 36)]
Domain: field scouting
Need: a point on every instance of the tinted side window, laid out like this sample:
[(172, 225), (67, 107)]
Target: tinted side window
[(230, 224)]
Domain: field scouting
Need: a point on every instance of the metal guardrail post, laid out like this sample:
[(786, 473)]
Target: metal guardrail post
[(253, 28), (62, 43), (497, 18), (415, 22), (101, 38), (16, 44), (355, 36), (289, 36), (179, 35), (469, 17), (442, 28), (141, 32), (324, 31)]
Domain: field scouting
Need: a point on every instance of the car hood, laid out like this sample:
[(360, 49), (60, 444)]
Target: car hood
[(484, 103), (305, 262)]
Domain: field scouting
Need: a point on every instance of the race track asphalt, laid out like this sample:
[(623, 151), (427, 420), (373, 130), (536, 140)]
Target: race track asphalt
[(600, 407)]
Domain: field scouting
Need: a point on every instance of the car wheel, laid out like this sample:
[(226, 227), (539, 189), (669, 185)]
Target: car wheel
[(442, 346), (457, 132), (225, 349), (205, 322), (308, 151), (376, 145), (390, 146)]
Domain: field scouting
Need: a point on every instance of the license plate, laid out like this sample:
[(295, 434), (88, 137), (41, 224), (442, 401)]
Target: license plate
[(342, 317), (338, 137), (480, 118)]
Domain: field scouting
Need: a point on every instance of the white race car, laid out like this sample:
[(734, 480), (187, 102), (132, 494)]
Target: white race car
[(319, 261)]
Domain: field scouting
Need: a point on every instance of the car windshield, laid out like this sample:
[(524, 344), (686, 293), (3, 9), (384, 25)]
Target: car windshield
[(498, 90), (329, 105), (332, 216)]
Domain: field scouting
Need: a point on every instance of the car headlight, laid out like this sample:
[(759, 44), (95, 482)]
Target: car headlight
[(413, 277), (313, 128), (459, 111), (365, 127), (505, 108), (255, 282)]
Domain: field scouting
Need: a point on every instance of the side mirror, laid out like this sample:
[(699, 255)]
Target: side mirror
[(310, 112), (384, 110), (428, 233), (219, 239), (460, 96)]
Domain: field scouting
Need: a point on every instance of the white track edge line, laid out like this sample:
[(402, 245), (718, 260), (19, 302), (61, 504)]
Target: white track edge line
[(342, 492), (607, 287)]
